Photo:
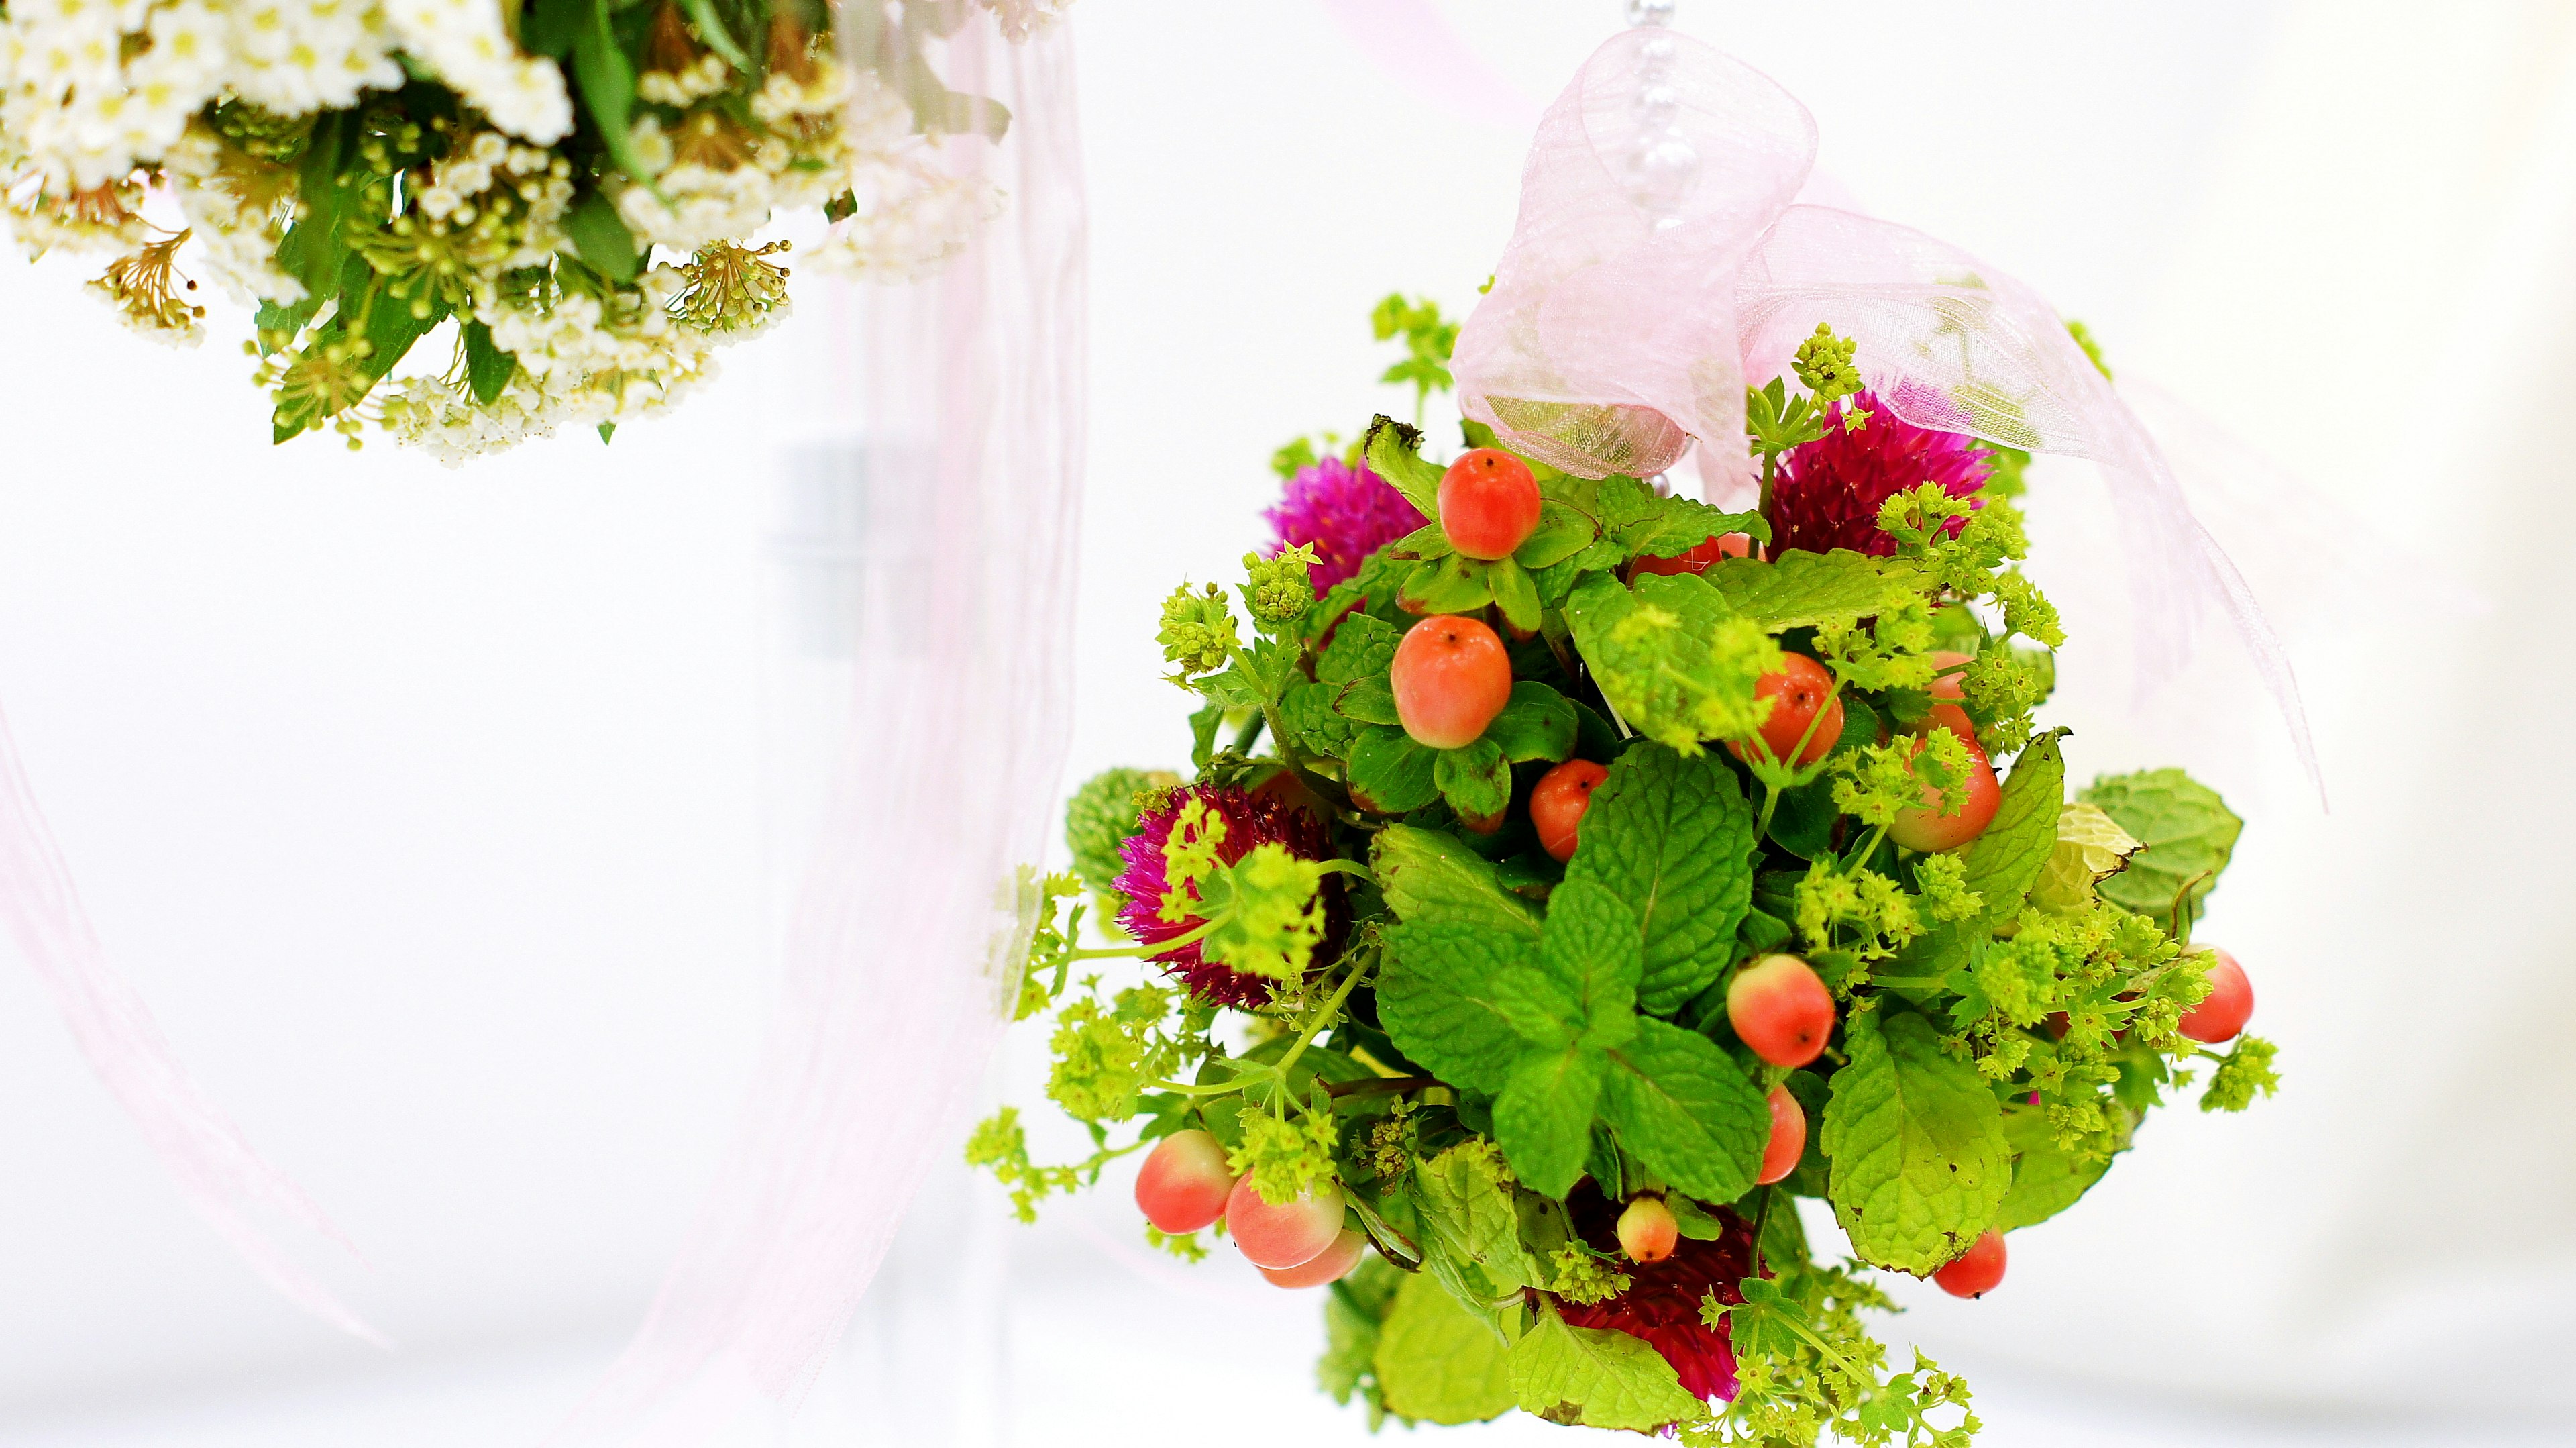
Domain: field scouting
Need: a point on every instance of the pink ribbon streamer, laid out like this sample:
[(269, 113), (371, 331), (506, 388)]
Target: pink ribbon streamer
[(903, 958), (1660, 262), (1417, 45), (206, 1155)]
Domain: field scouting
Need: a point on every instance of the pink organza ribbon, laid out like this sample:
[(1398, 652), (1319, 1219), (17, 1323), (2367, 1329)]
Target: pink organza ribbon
[(1660, 262), (208, 1158)]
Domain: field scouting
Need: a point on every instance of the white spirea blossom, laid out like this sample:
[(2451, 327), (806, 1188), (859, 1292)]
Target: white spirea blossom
[(467, 44)]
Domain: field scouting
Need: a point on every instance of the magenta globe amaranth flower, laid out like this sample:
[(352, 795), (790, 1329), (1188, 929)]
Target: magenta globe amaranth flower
[(1347, 512), (1244, 820), (1828, 492)]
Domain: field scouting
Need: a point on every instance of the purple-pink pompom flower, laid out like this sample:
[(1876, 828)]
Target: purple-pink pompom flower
[(1829, 490), (1347, 512), (1250, 819)]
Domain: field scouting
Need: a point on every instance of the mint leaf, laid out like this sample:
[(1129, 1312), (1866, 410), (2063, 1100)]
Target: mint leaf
[(1363, 646), (1437, 997), (1596, 1377), (1455, 584), (1562, 532), (1436, 1362), (1539, 723), (2188, 831), (1476, 780), (1394, 453), (1428, 876), (2045, 1181), (1919, 1158), (1543, 1118), (1307, 712), (1390, 774), (2006, 860), (1671, 658), (1515, 593), (1672, 838), (1368, 701), (1468, 1210), (1687, 1112), (1802, 590)]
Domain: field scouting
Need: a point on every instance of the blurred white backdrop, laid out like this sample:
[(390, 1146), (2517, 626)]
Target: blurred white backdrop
[(431, 809)]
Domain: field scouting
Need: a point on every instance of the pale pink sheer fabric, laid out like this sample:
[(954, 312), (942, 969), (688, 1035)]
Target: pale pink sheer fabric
[(208, 1158), (1659, 263), (904, 955)]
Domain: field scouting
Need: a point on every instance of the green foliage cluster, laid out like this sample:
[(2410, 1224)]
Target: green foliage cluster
[(1496, 1049)]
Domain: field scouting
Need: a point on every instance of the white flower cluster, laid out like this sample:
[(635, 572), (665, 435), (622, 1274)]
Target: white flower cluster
[(718, 182), (582, 362), (90, 89), (237, 216), (912, 216), (536, 175), (1021, 19)]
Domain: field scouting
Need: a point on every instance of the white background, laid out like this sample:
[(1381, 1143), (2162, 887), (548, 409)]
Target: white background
[(429, 808)]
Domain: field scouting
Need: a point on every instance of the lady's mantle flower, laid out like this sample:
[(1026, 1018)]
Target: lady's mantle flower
[(1661, 1304), (1829, 490), (1194, 832), (1346, 512)]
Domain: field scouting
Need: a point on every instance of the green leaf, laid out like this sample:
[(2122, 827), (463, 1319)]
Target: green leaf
[(1686, 1111), (2005, 861), (1367, 701), (711, 29), (1394, 452), (1355, 1309), (1515, 593), (1389, 773), (600, 235), (1562, 532), (2188, 831), (1543, 1118), (1437, 1362), (1583, 985), (2045, 1180), (1427, 541), (1802, 589), (1596, 1377), (1363, 646), (488, 369), (1437, 997), (1476, 780), (1203, 726), (1307, 712), (1469, 1212), (2091, 847), (1539, 723), (607, 83), (1673, 838), (1428, 876), (1671, 658), (1455, 584), (1920, 1163), (550, 27)]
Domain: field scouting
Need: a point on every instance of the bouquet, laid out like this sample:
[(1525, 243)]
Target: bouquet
[(566, 193), (1573, 878)]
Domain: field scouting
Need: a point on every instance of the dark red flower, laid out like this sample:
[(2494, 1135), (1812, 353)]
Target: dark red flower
[(1829, 490), (1250, 819), (1661, 1305)]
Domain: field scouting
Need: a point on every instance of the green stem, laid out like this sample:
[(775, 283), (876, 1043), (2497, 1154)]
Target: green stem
[(1770, 802), (1146, 948), (1251, 732), (1227, 1088), (1323, 1017), (1379, 1084)]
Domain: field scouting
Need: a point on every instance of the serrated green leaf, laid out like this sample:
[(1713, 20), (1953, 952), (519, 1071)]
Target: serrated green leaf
[(1476, 780), (1596, 1377), (1673, 839), (1562, 532), (1920, 1164), (1686, 1111), (1543, 1117), (2091, 847), (1437, 1362), (1802, 590), (2046, 1181), (1306, 711), (1538, 723), (2187, 829), (2004, 862), (1363, 646), (1389, 773), (1583, 982), (1464, 1196), (1428, 876), (1671, 658)]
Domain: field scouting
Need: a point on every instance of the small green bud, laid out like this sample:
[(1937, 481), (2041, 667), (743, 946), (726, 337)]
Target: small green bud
[(1280, 590)]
